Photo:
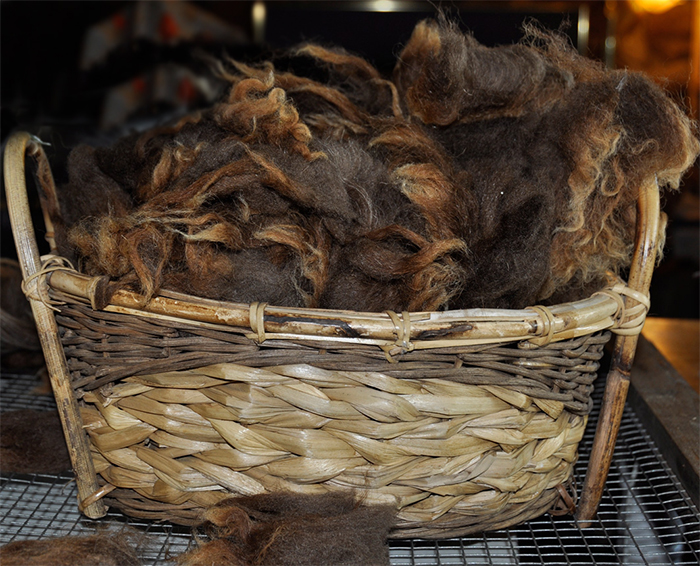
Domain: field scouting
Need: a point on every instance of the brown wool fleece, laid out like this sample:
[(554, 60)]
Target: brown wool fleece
[(295, 530), (17, 328), (96, 550), (620, 133), (32, 442), (476, 177), (445, 76)]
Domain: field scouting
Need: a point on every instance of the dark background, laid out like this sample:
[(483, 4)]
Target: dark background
[(42, 42)]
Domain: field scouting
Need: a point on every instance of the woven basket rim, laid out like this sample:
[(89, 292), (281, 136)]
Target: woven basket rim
[(395, 332)]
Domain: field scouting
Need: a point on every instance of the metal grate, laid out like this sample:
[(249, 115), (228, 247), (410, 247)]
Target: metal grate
[(18, 391), (42, 506), (645, 516)]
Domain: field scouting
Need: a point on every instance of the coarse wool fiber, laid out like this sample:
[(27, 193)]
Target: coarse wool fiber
[(101, 549), (475, 176), (32, 442), (293, 529)]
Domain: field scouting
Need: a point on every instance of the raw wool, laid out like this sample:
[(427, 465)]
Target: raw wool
[(361, 193), (510, 238), (445, 76), (32, 442), (102, 549), (620, 132), (295, 530), (259, 205), (597, 137), (20, 349), (412, 261), (18, 335)]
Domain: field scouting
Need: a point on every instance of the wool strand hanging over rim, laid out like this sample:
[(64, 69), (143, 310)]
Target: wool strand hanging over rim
[(474, 177)]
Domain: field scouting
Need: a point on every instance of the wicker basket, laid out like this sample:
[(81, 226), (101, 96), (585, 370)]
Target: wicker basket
[(466, 420)]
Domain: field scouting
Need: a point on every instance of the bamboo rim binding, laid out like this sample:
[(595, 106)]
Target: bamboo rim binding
[(539, 325)]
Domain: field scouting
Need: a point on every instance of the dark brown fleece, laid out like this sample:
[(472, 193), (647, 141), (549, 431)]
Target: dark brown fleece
[(17, 328), (446, 76), (95, 550), (476, 177), (565, 131), (32, 442), (295, 530)]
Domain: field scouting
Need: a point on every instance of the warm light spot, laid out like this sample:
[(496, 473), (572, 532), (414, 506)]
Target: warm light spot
[(259, 11), (584, 26), (384, 6), (654, 6), (259, 15)]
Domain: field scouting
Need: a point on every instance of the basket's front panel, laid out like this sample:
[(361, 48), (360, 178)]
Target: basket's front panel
[(462, 440)]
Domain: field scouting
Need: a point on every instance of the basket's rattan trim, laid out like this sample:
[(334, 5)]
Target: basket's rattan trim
[(257, 322), (18, 146), (633, 317), (403, 342), (99, 494), (629, 320), (567, 501), (615, 296), (548, 325), (406, 332), (36, 286)]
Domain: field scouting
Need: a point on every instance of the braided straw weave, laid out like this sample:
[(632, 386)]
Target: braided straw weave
[(465, 420)]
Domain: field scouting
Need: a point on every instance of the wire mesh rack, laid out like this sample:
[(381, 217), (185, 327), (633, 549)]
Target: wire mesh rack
[(645, 517)]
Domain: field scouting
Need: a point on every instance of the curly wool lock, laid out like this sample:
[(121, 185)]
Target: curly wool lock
[(477, 177)]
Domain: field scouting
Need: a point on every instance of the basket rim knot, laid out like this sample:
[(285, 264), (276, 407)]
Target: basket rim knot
[(257, 322), (629, 319), (546, 333), (402, 328), (36, 287)]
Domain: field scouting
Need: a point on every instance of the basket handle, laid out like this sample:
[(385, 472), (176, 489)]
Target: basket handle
[(618, 380), (18, 145)]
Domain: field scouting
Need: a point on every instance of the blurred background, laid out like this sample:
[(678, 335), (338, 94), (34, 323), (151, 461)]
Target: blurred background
[(92, 71)]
